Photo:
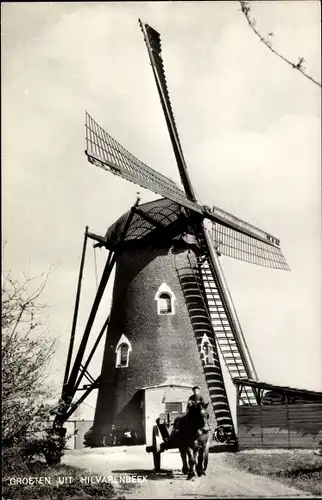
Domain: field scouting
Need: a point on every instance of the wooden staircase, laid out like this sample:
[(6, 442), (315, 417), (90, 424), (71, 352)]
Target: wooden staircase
[(191, 283), (234, 356)]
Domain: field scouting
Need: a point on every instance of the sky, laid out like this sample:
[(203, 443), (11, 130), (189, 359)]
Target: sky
[(249, 124)]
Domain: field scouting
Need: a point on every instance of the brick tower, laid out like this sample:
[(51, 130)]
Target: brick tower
[(159, 332)]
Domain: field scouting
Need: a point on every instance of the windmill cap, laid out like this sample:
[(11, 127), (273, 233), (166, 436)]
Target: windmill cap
[(163, 211), (196, 387)]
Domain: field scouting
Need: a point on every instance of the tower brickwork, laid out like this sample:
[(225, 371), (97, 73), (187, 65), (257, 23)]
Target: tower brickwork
[(164, 349)]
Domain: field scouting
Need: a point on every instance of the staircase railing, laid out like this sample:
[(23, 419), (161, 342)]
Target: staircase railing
[(191, 284), (236, 357)]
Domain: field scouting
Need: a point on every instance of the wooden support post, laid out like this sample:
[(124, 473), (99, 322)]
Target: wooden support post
[(75, 439), (72, 379), (260, 417), (288, 421), (72, 335), (237, 405), (82, 398), (87, 375), (91, 354), (105, 276), (258, 395)]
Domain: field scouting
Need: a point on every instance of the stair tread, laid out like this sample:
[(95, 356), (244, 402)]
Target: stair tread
[(191, 284)]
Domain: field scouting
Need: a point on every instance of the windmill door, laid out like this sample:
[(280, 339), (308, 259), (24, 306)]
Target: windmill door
[(160, 400)]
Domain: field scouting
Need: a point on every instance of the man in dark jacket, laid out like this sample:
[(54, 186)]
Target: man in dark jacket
[(195, 398)]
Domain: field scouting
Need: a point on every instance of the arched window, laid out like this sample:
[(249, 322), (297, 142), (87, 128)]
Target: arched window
[(165, 300), (165, 304), (123, 354), (207, 351), (206, 348), (123, 350)]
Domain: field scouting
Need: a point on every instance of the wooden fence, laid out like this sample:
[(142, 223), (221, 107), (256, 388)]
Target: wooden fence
[(279, 426)]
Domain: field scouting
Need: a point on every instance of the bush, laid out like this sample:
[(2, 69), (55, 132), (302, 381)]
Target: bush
[(26, 351), (50, 448)]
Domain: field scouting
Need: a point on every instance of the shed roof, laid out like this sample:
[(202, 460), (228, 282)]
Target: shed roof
[(174, 386), (264, 385)]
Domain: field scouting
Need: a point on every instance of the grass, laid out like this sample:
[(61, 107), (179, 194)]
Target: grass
[(75, 490), (301, 469)]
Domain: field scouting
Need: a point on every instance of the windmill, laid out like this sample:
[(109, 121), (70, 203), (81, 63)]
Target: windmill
[(171, 312)]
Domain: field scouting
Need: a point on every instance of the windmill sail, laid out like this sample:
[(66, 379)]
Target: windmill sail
[(242, 246), (241, 240), (153, 43), (231, 235), (105, 152)]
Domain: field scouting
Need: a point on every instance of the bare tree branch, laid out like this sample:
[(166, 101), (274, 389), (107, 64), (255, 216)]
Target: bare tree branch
[(26, 351), (299, 66)]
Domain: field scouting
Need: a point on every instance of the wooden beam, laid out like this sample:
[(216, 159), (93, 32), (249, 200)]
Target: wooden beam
[(72, 335), (148, 218)]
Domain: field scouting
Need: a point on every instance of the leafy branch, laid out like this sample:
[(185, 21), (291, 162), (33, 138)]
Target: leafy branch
[(299, 66), (27, 348)]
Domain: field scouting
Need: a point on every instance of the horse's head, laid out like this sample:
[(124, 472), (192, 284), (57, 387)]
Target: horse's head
[(199, 414), (204, 412)]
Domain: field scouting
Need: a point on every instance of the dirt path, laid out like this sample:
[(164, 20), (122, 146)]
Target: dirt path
[(222, 479)]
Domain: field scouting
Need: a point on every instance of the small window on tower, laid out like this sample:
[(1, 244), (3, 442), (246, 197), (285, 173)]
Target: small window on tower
[(165, 300), (207, 351), (206, 348), (165, 304), (123, 352)]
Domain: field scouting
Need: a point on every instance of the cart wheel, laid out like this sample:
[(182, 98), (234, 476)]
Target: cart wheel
[(105, 441), (156, 442), (220, 435)]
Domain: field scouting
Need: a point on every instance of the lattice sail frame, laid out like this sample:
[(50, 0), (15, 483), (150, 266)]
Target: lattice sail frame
[(105, 152), (244, 247), (231, 236)]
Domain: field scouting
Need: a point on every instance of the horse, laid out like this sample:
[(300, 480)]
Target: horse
[(191, 434)]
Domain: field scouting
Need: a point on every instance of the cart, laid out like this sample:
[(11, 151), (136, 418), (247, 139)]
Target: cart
[(162, 438)]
